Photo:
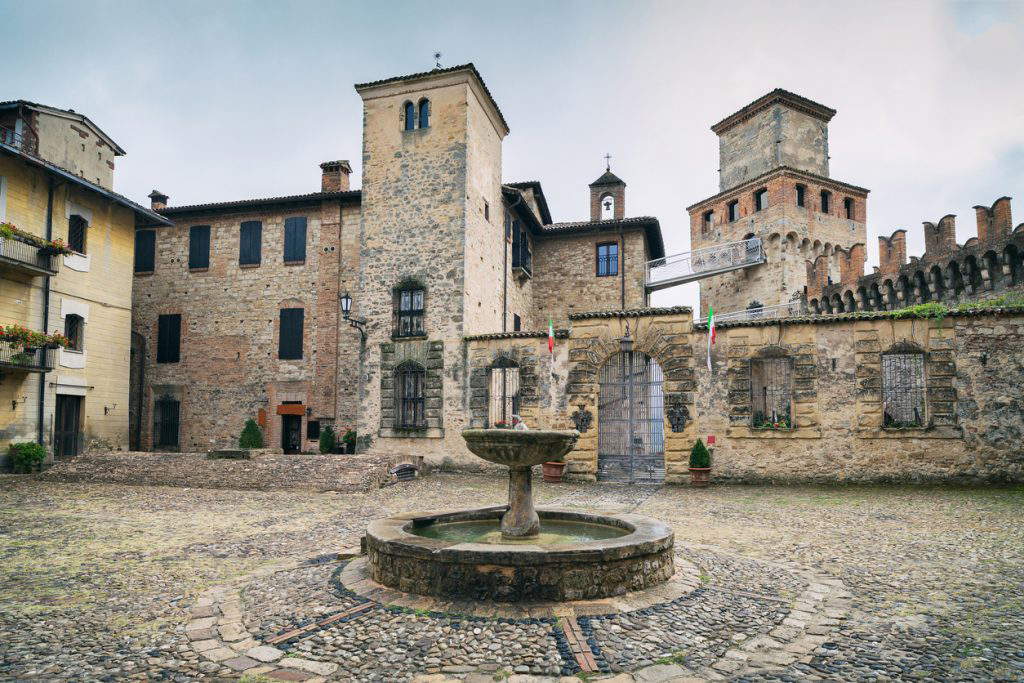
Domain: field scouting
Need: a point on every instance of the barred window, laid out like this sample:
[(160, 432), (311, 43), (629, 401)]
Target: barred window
[(74, 330), (771, 387), (608, 259), (410, 379), (503, 396), (409, 305), (903, 390), (76, 233)]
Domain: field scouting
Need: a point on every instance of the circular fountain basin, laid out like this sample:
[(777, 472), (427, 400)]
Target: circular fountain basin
[(462, 555)]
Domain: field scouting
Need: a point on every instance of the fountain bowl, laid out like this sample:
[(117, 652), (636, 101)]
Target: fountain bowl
[(520, 447), (400, 557)]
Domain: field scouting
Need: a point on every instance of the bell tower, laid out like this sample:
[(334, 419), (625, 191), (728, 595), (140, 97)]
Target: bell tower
[(607, 196)]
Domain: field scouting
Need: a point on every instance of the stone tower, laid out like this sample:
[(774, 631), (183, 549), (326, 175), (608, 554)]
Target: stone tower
[(774, 184), (431, 220), (608, 197)]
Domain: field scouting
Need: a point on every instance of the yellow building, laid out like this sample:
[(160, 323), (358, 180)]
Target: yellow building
[(66, 262)]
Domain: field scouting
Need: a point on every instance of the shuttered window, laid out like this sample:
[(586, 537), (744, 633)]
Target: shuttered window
[(289, 345), (199, 246), (295, 240), (249, 243), (168, 338), (145, 251)]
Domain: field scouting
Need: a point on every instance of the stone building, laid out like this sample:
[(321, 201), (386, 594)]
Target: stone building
[(56, 174), (244, 296)]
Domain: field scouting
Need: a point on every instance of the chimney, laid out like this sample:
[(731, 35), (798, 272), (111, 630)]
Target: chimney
[(157, 200), (335, 176), (851, 264), (940, 238), (995, 223), (892, 252)]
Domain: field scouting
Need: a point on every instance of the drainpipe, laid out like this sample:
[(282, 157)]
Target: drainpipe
[(41, 435)]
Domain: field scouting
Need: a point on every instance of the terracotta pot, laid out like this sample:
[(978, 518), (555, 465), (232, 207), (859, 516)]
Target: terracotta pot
[(553, 472), (700, 476)]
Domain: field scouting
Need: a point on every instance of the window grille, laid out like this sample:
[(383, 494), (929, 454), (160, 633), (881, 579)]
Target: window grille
[(199, 246), (145, 251), (410, 313), (771, 387), (166, 416), (76, 233), (74, 330), (503, 396), (903, 390), (409, 384), (608, 259)]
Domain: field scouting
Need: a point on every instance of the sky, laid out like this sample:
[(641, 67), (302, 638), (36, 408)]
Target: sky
[(217, 101)]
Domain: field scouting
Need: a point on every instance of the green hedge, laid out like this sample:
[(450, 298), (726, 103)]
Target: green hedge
[(26, 456)]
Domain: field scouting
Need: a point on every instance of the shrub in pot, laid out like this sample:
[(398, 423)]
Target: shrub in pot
[(252, 436), (700, 464), (350, 440), (26, 456), (328, 441)]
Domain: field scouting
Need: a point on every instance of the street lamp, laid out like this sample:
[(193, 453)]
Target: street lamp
[(346, 313)]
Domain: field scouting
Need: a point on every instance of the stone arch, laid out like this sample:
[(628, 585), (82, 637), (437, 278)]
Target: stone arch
[(805, 247), (972, 277), (849, 303), (938, 282), (606, 203), (1012, 257), (904, 292), (920, 283), (889, 294), (815, 307), (837, 303), (875, 294), (955, 279), (990, 259)]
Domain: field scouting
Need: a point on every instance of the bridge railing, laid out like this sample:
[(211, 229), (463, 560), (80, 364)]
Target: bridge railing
[(762, 313), (705, 262)]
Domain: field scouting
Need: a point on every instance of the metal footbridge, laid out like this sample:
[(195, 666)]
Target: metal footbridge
[(690, 266)]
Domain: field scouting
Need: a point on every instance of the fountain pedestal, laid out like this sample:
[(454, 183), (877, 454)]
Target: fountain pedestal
[(521, 520)]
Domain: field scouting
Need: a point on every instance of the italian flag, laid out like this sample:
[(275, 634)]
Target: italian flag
[(551, 335), (711, 333)]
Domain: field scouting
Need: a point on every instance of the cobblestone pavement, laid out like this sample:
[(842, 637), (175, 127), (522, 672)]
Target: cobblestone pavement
[(109, 582)]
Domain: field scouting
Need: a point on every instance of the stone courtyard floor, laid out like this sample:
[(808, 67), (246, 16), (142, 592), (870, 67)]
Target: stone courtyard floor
[(114, 582)]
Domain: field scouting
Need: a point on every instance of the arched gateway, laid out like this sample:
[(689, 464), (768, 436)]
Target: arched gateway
[(631, 420)]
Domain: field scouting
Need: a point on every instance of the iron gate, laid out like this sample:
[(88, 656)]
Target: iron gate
[(631, 423)]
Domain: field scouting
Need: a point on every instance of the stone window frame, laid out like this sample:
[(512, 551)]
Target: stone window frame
[(503, 364), (414, 404), (803, 392), (905, 348), (408, 284), (766, 354), (524, 358), (429, 355)]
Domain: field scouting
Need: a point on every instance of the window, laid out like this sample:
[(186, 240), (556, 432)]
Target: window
[(409, 382), (517, 323), (771, 386), (166, 412), (313, 429), (76, 233), (608, 259), (826, 200), (145, 251), (734, 210), (903, 389), (503, 395), (760, 199), (168, 338), (199, 246), (522, 257), (289, 342), (250, 239), (410, 312), (848, 207), (410, 116), (424, 113), (74, 330), (709, 219), (295, 240), (607, 207), (487, 211), (801, 190)]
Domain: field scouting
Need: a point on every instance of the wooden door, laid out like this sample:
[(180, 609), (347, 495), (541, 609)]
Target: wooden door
[(67, 426)]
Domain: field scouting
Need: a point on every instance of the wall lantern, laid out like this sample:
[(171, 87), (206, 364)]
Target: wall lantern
[(346, 313), (626, 343)]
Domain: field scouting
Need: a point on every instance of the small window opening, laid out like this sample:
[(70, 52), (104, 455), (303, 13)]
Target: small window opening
[(73, 329), (734, 210), (607, 207), (761, 200), (504, 395), (76, 233), (709, 219), (848, 207), (826, 199), (801, 190), (410, 116), (517, 323), (424, 113)]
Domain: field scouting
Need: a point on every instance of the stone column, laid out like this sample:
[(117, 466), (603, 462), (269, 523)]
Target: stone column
[(521, 520)]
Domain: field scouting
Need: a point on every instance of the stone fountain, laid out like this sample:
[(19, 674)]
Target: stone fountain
[(515, 552)]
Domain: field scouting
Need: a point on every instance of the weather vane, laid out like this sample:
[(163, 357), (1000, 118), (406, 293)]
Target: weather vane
[(607, 161), (437, 60)]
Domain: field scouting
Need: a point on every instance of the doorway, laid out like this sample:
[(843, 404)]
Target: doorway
[(67, 426), (291, 433), (630, 415)]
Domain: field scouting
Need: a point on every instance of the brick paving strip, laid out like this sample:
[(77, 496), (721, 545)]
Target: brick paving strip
[(303, 631), (578, 645)]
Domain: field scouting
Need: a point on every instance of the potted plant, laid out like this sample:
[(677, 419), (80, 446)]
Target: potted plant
[(26, 456), (553, 471), (700, 465), (350, 441)]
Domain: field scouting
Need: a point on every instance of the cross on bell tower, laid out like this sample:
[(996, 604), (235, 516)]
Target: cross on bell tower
[(607, 194)]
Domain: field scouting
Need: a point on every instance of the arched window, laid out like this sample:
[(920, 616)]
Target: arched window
[(74, 330), (771, 387), (607, 207), (410, 378), (503, 393), (409, 310), (903, 387), (424, 113), (410, 116), (826, 200)]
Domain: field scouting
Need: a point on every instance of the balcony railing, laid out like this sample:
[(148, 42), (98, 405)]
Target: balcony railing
[(762, 313), (701, 263), (28, 258), (23, 143), (16, 357)]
